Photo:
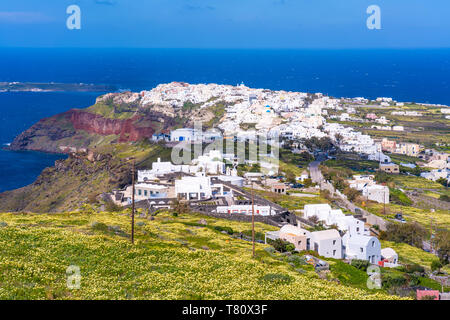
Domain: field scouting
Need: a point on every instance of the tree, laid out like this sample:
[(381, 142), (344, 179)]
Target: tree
[(441, 242), (281, 245), (442, 181), (290, 177), (436, 265), (410, 233), (352, 194), (256, 167), (313, 219), (382, 177)]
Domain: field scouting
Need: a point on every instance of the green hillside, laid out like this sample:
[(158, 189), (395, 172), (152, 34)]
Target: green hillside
[(173, 258)]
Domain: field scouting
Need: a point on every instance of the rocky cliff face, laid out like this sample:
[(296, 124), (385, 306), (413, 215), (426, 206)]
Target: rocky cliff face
[(127, 129), (115, 118)]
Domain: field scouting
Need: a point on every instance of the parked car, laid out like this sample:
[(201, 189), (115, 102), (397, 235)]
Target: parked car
[(399, 217)]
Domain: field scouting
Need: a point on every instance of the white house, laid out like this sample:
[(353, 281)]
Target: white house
[(193, 188), (336, 217), (349, 224), (377, 193), (144, 191), (361, 181), (435, 174), (211, 163), (327, 243), (199, 187), (389, 257), (362, 248), (380, 157), (303, 176), (321, 211), (186, 134)]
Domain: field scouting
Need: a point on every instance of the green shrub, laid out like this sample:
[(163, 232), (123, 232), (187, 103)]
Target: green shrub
[(276, 278), (99, 226), (360, 264), (112, 207), (436, 265), (258, 235), (409, 233), (290, 247), (281, 245), (226, 229), (390, 280), (398, 197), (413, 268), (412, 279)]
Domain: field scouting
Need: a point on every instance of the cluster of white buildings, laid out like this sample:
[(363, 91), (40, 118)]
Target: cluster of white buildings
[(291, 115), (370, 190), (211, 163), (336, 217), (356, 242)]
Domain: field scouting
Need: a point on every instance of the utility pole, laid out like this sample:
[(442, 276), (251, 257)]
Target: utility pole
[(253, 222), (132, 202), (431, 234)]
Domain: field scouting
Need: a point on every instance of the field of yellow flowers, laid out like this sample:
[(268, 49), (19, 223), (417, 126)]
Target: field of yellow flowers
[(173, 258)]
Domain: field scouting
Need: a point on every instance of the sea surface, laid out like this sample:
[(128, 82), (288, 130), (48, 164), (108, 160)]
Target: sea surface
[(405, 75)]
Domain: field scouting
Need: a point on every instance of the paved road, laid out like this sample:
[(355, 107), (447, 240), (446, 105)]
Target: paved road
[(316, 175)]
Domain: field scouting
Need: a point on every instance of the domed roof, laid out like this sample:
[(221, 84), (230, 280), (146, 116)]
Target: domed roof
[(292, 229), (388, 253)]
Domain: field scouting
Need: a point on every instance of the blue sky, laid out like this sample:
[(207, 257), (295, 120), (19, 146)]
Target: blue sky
[(226, 24)]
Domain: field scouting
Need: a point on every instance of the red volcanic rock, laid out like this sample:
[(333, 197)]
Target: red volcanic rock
[(126, 129)]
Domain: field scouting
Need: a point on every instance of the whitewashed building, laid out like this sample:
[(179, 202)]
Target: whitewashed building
[(323, 212), (377, 193), (362, 248), (327, 243)]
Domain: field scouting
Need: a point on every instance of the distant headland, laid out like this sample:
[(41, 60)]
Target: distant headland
[(53, 87)]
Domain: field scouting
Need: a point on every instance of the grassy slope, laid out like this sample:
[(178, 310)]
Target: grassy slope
[(409, 254), (168, 261)]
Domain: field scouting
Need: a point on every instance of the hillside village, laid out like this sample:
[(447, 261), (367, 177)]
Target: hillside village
[(326, 174), (213, 183)]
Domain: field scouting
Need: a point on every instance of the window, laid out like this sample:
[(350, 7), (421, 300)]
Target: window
[(357, 229), (373, 243), (140, 192), (334, 242), (334, 252), (362, 249), (145, 192)]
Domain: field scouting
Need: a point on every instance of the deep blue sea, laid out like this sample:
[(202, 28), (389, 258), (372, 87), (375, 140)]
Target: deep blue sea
[(405, 75)]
